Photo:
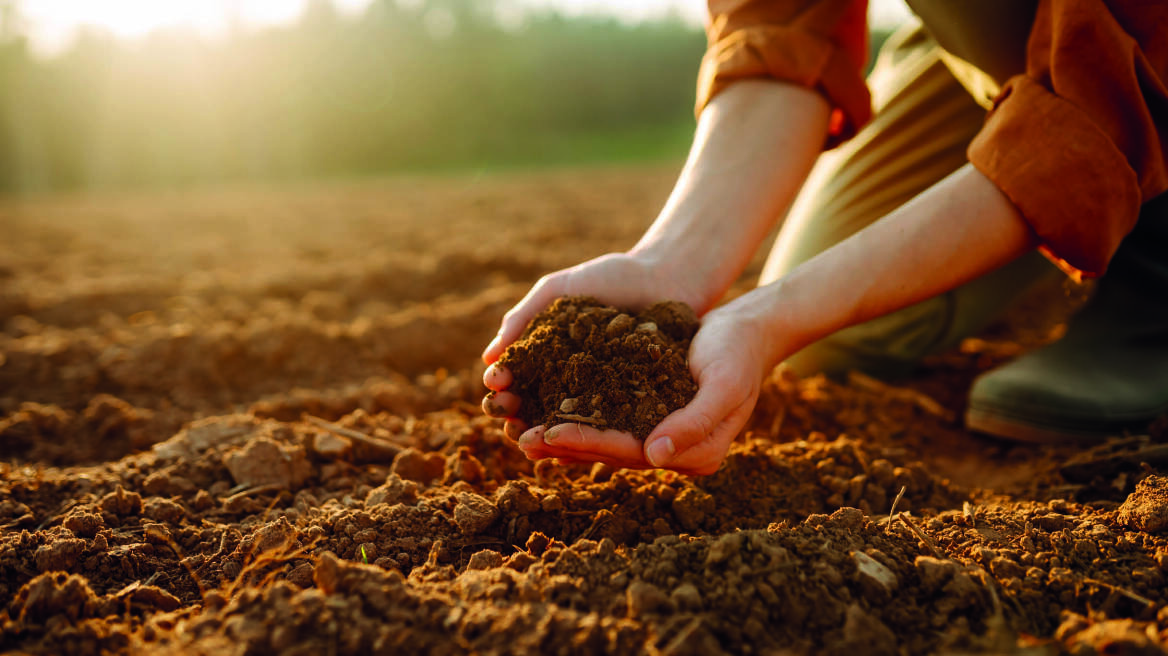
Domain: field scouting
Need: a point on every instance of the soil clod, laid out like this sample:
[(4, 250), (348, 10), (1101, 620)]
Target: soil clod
[(1146, 508)]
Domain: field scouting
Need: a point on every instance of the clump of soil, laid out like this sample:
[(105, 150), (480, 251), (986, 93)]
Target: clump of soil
[(586, 362), (1146, 509)]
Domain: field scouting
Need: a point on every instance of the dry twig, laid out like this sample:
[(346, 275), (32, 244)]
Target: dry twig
[(921, 535), (595, 421), (1123, 591), (678, 642), (356, 436), (922, 401), (892, 511), (258, 489)]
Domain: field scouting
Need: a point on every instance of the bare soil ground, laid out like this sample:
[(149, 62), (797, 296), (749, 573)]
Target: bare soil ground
[(248, 422)]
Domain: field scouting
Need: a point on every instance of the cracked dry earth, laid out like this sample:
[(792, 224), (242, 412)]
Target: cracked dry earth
[(247, 422)]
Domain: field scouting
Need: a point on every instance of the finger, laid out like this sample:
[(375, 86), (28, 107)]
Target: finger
[(532, 437), (610, 444), (497, 377), (535, 448), (706, 458), (574, 457), (717, 399), (501, 404), (532, 444), (513, 428), (516, 319)]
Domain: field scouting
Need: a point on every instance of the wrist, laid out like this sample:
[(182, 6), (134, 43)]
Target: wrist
[(681, 272), (773, 315)]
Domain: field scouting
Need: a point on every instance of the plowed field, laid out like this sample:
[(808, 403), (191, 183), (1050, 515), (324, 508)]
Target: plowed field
[(247, 421)]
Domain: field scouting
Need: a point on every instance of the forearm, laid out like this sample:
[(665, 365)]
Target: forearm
[(959, 229), (754, 145)]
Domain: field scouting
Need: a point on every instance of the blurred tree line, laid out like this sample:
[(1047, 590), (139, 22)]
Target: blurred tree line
[(428, 84), (423, 84)]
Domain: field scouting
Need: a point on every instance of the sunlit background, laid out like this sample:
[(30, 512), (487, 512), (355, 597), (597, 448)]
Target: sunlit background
[(144, 93)]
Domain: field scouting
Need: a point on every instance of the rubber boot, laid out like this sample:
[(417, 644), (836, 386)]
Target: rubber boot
[(1108, 375)]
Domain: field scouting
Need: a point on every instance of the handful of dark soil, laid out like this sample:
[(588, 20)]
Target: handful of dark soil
[(584, 362)]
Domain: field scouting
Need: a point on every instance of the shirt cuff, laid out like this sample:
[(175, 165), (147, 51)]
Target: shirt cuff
[(1071, 183), (789, 54)]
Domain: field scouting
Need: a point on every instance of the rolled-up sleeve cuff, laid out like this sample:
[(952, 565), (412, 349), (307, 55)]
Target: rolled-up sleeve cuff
[(1073, 186), (791, 55)]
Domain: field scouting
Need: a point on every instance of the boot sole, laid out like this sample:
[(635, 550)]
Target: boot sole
[(1011, 428)]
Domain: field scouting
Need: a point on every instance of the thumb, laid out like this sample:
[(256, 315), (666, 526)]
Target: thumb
[(678, 440)]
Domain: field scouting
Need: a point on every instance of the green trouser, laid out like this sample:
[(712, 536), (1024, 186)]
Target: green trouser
[(924, 120)]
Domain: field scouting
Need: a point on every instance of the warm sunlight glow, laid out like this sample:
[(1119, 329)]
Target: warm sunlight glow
[(52, 23)]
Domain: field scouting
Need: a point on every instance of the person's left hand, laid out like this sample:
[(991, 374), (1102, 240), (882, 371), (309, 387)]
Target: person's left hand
[(728, 358)]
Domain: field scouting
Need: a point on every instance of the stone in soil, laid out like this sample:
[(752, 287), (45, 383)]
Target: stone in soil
[(1146, 508), (585, 362), (266, 462)]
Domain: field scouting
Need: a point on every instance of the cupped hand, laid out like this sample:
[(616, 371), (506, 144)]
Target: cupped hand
[(728, 358), (628, 280), (623, 280)]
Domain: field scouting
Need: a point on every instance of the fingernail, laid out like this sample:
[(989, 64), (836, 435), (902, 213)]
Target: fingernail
[(511, 430), (660, 452), (489, 407), (552, 433), (529, 440)]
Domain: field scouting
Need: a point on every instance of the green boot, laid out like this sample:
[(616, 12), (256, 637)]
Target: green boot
[(1109, 373)]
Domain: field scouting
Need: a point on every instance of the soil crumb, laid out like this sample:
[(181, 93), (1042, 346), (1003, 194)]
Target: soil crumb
[(586, 362)]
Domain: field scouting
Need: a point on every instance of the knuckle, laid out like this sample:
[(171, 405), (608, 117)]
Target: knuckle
[(702, 425)]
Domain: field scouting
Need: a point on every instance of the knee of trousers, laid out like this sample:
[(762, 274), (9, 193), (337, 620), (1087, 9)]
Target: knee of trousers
[(884, 347)]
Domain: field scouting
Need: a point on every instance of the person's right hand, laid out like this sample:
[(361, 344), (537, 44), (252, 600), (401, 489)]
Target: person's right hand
[(625, 280)]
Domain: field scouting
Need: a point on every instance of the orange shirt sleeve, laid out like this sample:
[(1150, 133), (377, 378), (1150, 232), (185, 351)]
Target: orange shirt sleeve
[(819, 44), (1077, 142)]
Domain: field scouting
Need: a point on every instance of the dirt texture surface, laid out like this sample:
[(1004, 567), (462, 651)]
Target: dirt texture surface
[(247, 422), (585, 362)]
